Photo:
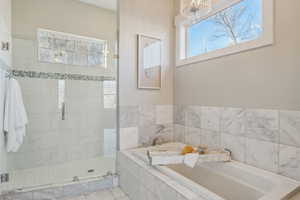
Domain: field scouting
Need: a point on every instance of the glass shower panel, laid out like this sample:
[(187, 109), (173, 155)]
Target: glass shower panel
[(70, 134), (30, 165), (71, 104)]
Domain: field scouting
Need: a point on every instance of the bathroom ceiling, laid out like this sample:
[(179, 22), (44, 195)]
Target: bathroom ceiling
[(108, 4)]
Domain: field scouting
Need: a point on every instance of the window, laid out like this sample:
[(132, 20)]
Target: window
[(230, 28), (110, 94), (63, 48)]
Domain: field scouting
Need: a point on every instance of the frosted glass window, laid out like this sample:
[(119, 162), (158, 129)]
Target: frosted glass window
[(63, 48)]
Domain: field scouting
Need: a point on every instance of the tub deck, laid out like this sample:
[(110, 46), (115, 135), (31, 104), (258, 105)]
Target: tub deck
[(223, 180)]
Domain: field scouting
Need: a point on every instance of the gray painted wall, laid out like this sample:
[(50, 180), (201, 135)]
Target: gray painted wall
[(151, 18), (263, 78)]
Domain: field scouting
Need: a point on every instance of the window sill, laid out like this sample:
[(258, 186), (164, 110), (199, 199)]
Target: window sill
[(239, 48)]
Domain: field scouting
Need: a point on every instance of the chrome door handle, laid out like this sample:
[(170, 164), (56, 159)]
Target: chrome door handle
[(5, 46), (63, 111)]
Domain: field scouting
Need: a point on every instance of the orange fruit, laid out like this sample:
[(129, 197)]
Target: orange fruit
[(187, 149)]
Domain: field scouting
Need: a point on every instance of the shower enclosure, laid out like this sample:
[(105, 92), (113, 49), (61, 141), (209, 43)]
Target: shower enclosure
[(64, 60)]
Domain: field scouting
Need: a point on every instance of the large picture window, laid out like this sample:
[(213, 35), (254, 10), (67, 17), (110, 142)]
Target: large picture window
[(234, 27)]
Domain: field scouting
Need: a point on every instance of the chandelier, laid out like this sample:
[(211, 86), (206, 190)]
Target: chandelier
[(196, 8)]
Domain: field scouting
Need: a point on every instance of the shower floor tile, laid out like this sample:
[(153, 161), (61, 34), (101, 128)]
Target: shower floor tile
[(59, 174), (109, 194)]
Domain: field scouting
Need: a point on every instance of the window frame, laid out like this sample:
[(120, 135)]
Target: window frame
[(182, 26)]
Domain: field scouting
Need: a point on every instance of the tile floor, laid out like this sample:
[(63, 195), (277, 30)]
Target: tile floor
[(61, 173), (108, 194)]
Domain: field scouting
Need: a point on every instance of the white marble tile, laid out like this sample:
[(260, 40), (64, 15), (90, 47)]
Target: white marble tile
[(289, 161), (164, 114), (209, 138), (94, 186), (179, 114), (103, 195), (290, 128), (192, 136), (262, 154), (20, 196), (193, 116), (134, 169), (210, 118), (147, 134), (165, 132), (262, 125), (233, 121), (123, 198), (147, 194), (130, 184), (148, 180), (179, 133), (129, 116), (129, 138), (236, 144), (75, 190), (124, 180), (165, 192), (146, 115), (117, 193), (50, 194), (72, 198)]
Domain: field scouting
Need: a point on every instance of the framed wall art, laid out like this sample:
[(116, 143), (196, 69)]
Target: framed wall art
[(149, 62)]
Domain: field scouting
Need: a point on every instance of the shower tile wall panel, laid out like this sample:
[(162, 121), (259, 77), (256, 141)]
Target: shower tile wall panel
[(267, 139), (153, 185), (151, 121), (25, 57), (51, 140)]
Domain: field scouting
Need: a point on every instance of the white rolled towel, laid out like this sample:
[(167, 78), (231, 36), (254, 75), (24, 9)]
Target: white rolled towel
[(164, 158)]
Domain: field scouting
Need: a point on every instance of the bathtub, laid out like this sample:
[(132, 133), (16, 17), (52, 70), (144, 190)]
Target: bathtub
[(223, 180)]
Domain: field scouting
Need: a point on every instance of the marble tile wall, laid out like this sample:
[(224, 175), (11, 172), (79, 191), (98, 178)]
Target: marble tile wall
[(153, 185), (140, 125), (267, 139)]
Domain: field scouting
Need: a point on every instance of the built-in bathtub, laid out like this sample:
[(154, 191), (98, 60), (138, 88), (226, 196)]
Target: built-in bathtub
[(213, 181)]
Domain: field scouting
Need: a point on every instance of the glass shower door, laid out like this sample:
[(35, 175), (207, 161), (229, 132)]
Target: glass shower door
[(71, 135)]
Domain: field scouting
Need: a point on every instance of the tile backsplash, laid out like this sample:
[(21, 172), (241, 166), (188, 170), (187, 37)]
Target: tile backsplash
[(267, 139), (148, 121)]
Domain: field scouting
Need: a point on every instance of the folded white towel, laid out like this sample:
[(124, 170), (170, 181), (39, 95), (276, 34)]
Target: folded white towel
[(191, 159), (15, 117), (164, 158)]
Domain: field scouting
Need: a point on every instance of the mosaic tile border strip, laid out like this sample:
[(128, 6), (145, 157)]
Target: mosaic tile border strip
[(58, 76)]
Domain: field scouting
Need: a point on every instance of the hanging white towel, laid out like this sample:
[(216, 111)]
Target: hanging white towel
[(2, 100), (15, 117)]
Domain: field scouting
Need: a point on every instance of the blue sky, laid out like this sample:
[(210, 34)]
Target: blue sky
[(201, 35)]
